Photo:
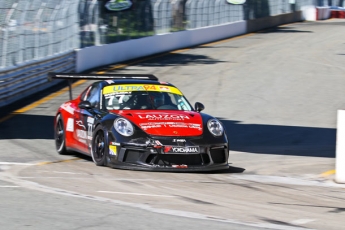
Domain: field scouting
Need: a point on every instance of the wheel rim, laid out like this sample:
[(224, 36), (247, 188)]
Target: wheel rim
[(98, 148), (59, 135)]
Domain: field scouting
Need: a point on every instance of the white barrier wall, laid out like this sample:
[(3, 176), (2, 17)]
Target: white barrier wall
[(96, 56), (340, 148), (309, 13), (323, 13)]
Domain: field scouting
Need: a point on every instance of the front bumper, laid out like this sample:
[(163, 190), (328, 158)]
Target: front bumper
[(151, 157)]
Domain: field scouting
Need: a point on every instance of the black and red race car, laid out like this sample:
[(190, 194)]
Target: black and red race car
[(134, 121)]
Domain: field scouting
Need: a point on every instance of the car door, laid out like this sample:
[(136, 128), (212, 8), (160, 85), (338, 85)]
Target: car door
[(84, 119)]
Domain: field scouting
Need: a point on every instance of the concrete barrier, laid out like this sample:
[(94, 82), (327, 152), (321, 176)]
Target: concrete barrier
[(340, 148), (96, 56), (273, 21), (323, 13), (309, 13)]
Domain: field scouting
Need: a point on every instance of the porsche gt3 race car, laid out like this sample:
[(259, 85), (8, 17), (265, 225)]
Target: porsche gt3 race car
[(134, 121)]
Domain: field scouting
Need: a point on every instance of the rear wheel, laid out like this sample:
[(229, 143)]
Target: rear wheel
[(60, 142), (99, 147)]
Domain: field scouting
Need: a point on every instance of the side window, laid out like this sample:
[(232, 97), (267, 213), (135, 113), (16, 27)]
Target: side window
[(94, 96), (83, 94)]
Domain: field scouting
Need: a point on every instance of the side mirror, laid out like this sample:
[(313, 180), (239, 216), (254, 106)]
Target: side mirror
[(199, 107), (85, 105)]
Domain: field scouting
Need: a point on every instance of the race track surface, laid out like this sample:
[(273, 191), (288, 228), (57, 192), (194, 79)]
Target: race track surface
[(276, 91)]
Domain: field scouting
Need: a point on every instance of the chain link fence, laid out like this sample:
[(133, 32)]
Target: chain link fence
[(37, 29), (149, 17), (40, 36)]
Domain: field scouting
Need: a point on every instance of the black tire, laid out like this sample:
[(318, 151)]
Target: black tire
[(99, 147), (59, 135)]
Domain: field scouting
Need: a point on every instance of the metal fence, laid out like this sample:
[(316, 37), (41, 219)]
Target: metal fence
[(148, 17), (37, 29)]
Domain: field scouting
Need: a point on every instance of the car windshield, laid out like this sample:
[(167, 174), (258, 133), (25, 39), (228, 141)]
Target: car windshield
[(144, 97)]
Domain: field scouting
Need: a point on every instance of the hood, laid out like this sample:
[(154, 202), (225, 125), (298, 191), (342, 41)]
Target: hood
[(167, 122)]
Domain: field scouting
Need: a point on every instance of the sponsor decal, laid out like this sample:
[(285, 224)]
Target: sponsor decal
[(116, 89), (167, 149), (82, 141), (164, 88), (179, 140), (129, 88), (67, 107), (163, 117), (180, 149), (90, 120), (195, 126), (70, 125), (114, 143), (81, 134), (80, 124), (158, 142), (112, 150), (180, 166), (236, 2), (118, 5), (152, 125)]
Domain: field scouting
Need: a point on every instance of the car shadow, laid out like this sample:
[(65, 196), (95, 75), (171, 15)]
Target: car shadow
[(280, 140)]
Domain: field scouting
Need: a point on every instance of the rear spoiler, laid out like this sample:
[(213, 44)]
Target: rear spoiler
[(101, 76), (76, 76)]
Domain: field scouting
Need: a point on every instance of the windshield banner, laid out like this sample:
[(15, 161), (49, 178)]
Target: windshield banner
[(140, 87)]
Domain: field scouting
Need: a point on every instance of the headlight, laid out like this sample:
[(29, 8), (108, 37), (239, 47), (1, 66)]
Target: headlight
[(124, 127), (215, 127)]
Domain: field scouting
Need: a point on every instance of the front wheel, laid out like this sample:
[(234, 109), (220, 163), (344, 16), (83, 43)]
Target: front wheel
[(99, 147), (59, 135)]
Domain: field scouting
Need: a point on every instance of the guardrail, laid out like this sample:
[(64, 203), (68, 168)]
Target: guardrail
[(17, 83)]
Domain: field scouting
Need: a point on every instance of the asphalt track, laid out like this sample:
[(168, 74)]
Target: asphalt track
[(276, 91)]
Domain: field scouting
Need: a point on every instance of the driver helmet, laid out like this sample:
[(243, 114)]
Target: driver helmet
[(157, 99)]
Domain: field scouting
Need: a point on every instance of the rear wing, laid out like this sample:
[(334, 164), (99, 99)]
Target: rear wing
[(75, 76)]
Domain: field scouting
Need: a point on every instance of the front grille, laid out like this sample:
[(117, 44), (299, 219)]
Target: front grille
[(132, 156), (218, 155)]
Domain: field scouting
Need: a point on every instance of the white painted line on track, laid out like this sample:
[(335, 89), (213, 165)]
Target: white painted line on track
[(135, 194), (185, 214), (14, 163), (287, 180), (301, 221), (9, 186)]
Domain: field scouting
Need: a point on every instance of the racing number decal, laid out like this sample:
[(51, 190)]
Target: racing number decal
[(89, 130), (90, 121)]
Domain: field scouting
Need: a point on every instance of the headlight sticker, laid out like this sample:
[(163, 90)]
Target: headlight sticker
[(215, 127), (123, 127)]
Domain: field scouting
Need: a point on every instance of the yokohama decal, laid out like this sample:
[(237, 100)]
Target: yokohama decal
[(178, 149)]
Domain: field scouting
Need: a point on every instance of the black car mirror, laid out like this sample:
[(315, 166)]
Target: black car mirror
[(85, 105), (199, 106)]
